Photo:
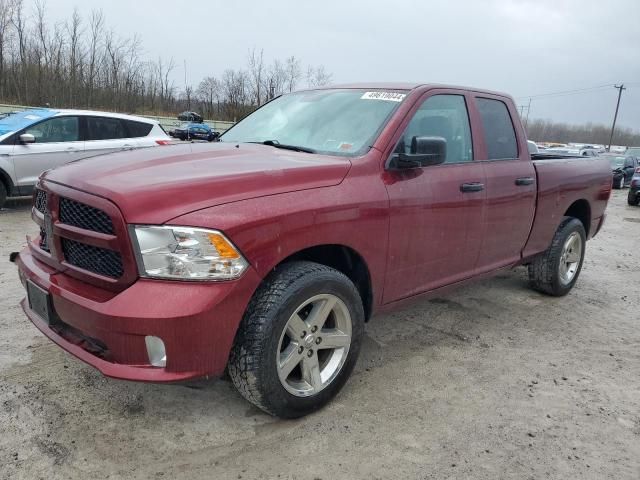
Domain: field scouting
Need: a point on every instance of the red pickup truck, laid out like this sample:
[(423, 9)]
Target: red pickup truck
[(266, 253)]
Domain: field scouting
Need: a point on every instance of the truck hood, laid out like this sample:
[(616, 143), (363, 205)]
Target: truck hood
[(157, 184)]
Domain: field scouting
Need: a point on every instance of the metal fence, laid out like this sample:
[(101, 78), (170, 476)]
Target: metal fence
[(166, 122)]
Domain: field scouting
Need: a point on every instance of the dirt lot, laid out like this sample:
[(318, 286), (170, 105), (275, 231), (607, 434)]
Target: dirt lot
[(494, 381)]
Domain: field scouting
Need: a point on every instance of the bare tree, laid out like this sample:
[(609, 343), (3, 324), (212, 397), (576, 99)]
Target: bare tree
[(318, 76), (209, 94), (81, 62), (256, 74), (294, 72), (6, 15)]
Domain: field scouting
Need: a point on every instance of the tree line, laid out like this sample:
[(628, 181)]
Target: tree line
[(82, 63), (549, 131)]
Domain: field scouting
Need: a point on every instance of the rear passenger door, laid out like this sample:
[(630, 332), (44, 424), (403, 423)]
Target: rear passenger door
[(510, 184), (106, 134)]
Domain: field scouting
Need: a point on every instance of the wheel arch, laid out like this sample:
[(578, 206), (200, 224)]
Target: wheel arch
[(344, 259), (5, 179), (581, 210)]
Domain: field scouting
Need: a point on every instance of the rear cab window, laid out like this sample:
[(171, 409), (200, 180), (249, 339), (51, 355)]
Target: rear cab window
[(499, 132)]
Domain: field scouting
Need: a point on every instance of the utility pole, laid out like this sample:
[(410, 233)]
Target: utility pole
[(615, 117), (526, 121)]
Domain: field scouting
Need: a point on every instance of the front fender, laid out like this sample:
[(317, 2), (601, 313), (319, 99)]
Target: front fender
[(269, 229)]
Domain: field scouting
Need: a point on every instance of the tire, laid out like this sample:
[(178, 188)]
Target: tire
[(546, 271), (255, 362), (620, 184), (3, 194), (633, 199)]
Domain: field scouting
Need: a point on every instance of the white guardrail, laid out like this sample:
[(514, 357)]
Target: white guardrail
[(166, 122)]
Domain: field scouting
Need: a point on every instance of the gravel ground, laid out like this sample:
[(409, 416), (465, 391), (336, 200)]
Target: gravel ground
[(493, 381)]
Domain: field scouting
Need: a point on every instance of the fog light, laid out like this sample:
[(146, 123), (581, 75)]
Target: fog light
[(155, 351)]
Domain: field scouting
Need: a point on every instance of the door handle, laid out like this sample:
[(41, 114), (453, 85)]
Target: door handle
[(524, 181), (472, 187)]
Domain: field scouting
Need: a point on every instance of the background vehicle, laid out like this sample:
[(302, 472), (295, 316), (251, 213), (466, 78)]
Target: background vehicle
[(622, 167), (190, 117), (573, 151), (532, 147), (37, 140), (267, 252), (195, 131), (633, 151), (634, 189)]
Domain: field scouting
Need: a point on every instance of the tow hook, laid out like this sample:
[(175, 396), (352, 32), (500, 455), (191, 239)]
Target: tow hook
[(13, 256)]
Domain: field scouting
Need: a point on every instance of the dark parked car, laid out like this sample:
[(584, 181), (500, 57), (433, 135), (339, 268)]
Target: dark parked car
[(634, 189), (190, 117), (194, 131), (622, 167)]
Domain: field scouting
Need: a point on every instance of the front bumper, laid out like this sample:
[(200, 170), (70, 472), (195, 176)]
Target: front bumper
[(196, 321)]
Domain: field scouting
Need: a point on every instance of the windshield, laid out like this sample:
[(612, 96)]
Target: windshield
[(616, 162), (339, 122), (19, 120), (633, 151)]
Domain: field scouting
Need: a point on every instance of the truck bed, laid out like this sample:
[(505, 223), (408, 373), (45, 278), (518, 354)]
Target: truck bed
[(566, 183)]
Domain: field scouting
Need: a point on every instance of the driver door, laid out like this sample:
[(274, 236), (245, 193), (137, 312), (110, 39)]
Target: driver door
[(435, 211), (58, 141)]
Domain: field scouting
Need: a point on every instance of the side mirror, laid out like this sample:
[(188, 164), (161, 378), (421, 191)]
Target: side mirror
[(425, 151), (27, 138)]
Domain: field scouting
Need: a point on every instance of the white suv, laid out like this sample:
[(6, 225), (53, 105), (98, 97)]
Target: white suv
[(36, 140)]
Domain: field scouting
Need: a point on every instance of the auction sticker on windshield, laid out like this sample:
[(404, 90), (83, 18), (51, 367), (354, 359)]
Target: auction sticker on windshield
[(388, 96)]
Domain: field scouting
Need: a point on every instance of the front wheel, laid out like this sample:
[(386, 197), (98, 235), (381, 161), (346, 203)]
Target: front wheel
[(556, 271), (3, 194), (620, 184), (299, 339)]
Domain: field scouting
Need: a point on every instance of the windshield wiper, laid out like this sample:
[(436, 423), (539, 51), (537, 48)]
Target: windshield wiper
[(284, 146)]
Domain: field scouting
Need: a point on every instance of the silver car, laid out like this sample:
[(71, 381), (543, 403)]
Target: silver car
[(36, 140)]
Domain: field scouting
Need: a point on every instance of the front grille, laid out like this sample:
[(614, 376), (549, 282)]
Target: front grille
[(41, 201), (93, 259), (44, 242), (84, 216)]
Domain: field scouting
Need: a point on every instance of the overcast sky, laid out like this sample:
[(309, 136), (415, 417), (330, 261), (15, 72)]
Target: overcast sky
[(523, 47)]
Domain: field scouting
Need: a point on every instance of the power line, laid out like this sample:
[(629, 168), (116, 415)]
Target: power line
[(568, 92)]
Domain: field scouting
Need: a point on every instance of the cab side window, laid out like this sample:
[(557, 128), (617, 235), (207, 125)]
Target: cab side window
[(138, 129), (442, 116), (104, 128), (499, 134), (54, 130)]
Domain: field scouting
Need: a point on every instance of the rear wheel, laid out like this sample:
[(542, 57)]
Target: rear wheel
[(633, 198), (556, 271), (299, 340)]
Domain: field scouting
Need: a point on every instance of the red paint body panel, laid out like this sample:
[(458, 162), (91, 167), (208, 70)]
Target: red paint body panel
[(415, 230), (152, 187), (196, 321)]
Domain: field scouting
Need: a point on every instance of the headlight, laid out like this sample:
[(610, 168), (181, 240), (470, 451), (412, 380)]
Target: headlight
[(187, 254)]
